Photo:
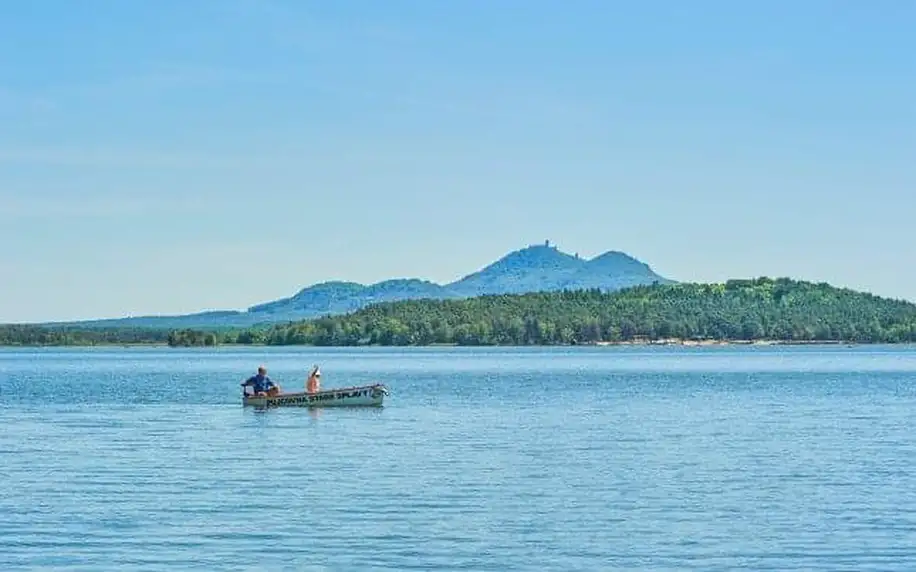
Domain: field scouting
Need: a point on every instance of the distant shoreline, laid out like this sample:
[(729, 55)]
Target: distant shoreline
[(737, 313), (763, 342), (636, 343)]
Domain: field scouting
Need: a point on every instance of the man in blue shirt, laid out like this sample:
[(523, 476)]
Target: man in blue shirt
[(260, 382)]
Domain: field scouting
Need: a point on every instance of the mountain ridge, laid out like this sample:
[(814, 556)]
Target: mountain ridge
[(535, 268)]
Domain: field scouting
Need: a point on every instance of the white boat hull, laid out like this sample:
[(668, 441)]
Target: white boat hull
[(364, 396)]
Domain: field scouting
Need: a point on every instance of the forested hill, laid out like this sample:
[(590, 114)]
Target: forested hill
[(759, 309)]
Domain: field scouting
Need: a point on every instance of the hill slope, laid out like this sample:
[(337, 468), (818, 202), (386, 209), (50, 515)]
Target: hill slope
[(541, 268), (757, 309), (544, 268), (760, 309)]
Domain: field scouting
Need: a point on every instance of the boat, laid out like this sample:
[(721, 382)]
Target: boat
[(359, 396)]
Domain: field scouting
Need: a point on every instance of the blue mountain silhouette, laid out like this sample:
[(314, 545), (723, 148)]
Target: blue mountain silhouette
[(537, 268)]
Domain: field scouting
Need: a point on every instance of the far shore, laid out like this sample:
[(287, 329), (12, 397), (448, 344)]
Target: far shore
[(634, 342), (682, 342)]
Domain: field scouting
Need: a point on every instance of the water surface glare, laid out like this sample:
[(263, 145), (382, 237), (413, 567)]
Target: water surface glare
[(772, 458)]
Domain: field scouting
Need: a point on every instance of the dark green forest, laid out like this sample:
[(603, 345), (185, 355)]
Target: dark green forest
[(758, 309), (27, 335), (192, 338)]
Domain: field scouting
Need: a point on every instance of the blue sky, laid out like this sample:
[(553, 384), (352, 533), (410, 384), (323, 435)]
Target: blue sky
[(179, 155)]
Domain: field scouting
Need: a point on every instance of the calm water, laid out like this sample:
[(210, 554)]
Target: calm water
[(497, 459)]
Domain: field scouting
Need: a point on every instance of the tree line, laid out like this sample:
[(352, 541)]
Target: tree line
[(28, 335), (757, 309), (192, 338)]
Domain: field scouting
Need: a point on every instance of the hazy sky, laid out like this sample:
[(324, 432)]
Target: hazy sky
[(179, 155)]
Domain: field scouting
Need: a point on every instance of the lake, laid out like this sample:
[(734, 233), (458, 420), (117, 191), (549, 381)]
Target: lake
[(712, 458)]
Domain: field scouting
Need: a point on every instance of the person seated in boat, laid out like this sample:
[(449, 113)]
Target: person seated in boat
[(313, 385), (261, 384)]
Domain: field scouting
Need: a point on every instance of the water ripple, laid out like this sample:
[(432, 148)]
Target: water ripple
[(491, 459)]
